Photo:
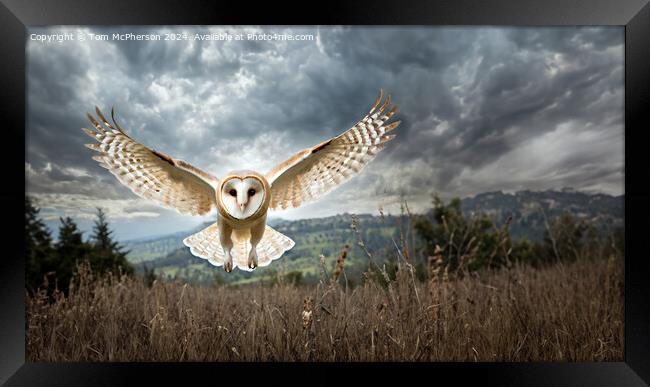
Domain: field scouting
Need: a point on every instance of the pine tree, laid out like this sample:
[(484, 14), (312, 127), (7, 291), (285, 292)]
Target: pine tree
[(101, 233), (38, 247), (70, 251), (107, 255)]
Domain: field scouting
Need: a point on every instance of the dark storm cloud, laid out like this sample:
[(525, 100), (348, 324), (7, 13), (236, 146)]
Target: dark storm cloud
[(543, 103)]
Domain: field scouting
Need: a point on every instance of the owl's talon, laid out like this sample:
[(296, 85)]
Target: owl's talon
[(252, 259), (227, 265)]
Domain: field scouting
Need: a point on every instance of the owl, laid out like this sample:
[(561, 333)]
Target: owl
[(240, 236)]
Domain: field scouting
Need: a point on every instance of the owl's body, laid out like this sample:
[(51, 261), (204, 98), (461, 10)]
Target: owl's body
[(240, 236)]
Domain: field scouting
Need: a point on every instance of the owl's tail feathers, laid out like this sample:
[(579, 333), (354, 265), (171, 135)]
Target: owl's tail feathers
[(206, 244), (272, 246)]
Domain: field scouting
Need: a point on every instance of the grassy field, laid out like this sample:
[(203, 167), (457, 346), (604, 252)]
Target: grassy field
[(559, 313)]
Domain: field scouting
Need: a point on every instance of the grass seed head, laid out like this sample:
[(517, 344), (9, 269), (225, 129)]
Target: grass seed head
[(338, 268), (307, 310)]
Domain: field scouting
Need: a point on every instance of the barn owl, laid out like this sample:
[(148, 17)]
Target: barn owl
[(240, 236)]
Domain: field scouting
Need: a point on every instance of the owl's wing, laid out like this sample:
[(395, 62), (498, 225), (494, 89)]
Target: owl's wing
[(148, 173), (313, 172)]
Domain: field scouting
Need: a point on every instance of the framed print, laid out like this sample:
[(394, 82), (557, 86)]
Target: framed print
[(393, 189)]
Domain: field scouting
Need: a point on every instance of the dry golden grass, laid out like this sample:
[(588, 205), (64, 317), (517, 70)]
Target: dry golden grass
[(560, 313)]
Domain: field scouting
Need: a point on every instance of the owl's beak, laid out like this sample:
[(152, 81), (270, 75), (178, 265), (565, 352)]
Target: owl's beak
[(242, 199)]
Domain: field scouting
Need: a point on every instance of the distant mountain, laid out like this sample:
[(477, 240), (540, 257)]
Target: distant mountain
[(528, 209), (328, 235)]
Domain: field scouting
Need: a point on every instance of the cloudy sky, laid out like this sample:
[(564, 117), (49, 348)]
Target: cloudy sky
[(482, 109)]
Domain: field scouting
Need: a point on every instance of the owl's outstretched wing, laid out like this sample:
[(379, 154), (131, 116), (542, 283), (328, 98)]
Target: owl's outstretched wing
[(313, 172), (150, 174)]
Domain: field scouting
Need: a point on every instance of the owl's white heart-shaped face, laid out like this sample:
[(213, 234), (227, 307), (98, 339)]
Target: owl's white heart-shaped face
[(242, 197)]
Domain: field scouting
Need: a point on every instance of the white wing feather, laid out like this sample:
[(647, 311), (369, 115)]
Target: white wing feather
[(313, 172), (150, 174)]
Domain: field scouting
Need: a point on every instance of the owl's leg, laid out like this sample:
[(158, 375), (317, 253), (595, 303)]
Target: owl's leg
[(225, 237), (257, 232)]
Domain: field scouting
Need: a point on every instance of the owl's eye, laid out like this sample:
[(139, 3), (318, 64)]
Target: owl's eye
[(233, 192), (251, 192)]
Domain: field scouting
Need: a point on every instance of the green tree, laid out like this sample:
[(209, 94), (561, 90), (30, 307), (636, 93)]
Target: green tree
[(70, 250), (107, 254), (466, 243), (525, 251), (564, 238), (293, 277), (38, 247), (149, 275)]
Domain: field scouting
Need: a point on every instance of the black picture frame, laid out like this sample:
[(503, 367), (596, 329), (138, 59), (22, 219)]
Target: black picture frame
[(16, 15)]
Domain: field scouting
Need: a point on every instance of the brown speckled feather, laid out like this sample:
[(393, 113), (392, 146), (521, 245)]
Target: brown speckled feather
[(313, 172), (148, 173)]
